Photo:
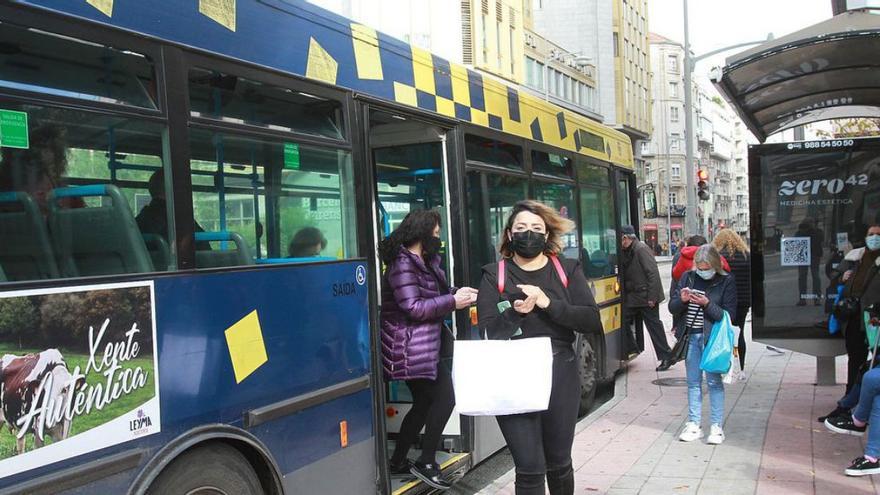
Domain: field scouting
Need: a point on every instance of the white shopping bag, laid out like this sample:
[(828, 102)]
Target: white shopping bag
[(499, 377)]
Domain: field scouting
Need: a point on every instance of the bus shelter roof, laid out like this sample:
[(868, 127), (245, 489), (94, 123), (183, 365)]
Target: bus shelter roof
[(827, 71)]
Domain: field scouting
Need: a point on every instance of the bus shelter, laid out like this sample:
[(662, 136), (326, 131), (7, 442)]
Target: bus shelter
[(810, 202)]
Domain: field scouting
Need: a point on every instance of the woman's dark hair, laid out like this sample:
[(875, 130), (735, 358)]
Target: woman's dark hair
[(417, 226), (305, 240)]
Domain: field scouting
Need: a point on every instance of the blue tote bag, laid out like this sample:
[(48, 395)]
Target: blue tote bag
[(719, 349)]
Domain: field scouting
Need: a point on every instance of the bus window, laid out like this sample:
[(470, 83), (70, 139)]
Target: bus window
[(490, 152), (226, 97), (43, 62), (73, 195), (267, 200), (561, 198), (624, 202), (551, 164), (490, 199), (598, 234)]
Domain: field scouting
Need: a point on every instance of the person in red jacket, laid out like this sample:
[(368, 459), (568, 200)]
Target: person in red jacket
[(686, 257)]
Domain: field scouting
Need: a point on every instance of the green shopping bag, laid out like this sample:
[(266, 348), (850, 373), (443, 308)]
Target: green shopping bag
[(870, 330)]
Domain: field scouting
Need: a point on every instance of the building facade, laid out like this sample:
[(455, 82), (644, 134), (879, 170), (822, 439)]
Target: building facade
[(614, 34), (485, 34), (661, 180)]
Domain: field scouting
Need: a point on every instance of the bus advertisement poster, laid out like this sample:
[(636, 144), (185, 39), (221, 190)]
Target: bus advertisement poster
[(78, 372)]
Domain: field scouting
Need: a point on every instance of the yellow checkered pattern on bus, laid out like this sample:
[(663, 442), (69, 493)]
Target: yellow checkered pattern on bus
[(415, 77)]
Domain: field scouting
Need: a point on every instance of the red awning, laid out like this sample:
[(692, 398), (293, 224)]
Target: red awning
[(676, 226), (649, 226)]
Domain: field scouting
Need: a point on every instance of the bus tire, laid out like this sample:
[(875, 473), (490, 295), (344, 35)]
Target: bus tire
[(214, 467), (588, 371)]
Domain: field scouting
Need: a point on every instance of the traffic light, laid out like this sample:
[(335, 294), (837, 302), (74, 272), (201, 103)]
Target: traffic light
[(703, 184)]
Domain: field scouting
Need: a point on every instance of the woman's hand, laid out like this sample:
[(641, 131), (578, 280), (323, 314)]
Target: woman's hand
[(685, 295), (464, 297), (541, 299), (846, 275), (526, 305), (700, 300)]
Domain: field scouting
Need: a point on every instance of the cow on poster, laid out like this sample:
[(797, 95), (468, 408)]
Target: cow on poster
[(78, 372)]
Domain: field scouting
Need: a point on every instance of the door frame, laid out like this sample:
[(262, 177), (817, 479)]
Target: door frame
[(365, 106)]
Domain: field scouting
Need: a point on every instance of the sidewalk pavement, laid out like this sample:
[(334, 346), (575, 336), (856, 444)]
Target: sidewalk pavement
[(774, 444)]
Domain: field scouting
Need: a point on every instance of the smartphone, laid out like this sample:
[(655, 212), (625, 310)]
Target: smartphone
[(518, 296)]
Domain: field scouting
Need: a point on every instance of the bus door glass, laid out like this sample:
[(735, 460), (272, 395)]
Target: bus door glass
[(599, 243), (410, 168)]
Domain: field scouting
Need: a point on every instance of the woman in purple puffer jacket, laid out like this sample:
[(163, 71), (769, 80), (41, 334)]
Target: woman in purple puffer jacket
[(415, 299)]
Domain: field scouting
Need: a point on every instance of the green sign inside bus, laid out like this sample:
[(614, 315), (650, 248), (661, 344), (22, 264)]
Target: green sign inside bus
[(14, 129), (291, 156)]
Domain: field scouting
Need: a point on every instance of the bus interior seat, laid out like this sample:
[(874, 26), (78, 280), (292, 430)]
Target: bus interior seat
[(160, 253), (215, 258), (25, 253), (100, 240)]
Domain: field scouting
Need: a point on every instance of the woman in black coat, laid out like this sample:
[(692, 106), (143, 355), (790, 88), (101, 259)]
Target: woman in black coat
[(736, 252)]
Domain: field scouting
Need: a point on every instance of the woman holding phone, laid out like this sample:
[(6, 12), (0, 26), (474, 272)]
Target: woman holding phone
[(534, 300), (705, 293)]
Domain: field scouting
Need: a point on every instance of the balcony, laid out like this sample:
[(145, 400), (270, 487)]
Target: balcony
[(677, 210)]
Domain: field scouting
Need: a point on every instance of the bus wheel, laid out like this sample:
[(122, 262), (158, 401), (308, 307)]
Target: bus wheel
[(589, 375), (211, 469)]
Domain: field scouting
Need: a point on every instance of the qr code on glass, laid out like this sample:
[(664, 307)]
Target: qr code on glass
[(796, 251)]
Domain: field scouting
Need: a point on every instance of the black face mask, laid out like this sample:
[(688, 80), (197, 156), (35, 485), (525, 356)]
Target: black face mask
[(431, 246), (528, 244)]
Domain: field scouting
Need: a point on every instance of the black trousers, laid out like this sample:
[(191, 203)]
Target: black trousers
[(540, 442), (856, 349), (741, 314), (651, 319), (433, 401)]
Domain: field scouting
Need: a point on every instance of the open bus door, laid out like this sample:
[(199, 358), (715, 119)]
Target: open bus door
[(410, 168)]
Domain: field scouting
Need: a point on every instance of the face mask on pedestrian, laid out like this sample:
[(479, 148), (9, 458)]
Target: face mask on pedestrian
[(432, 245), (528, 244), (706, 274), (873, 242)]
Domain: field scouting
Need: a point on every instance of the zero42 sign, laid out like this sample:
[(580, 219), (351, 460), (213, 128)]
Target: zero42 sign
[(79, 371)]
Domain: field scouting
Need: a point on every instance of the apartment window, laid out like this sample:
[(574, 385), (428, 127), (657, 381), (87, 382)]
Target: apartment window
[(673, 114), (512, 34), (672, 63), (615, 41), (673, 90), (647, 164), (676, 170), (673, 198), (485, 37), (675, 142), (498, 43)]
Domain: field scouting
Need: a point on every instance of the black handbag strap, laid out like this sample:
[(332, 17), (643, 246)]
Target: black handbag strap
[(687, 326)]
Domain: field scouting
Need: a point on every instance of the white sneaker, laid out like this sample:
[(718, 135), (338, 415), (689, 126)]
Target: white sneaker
[(716, 435), (691, 432)]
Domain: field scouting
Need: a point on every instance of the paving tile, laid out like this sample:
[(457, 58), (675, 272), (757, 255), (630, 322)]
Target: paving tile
[(629, 482), (711, 486), (677, 486)]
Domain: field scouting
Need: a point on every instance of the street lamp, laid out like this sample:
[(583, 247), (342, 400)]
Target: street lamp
[(689, 63)]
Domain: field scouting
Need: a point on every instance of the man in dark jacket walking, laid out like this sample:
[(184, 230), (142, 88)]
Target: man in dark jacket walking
[(642, 295)]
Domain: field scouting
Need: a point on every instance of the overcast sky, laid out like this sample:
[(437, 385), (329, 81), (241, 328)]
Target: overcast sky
[(718, 23)]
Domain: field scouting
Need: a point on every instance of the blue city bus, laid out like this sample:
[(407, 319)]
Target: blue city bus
[(191, 193)]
